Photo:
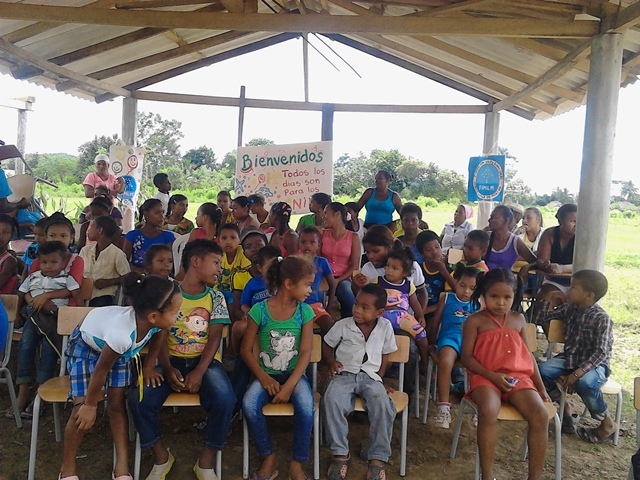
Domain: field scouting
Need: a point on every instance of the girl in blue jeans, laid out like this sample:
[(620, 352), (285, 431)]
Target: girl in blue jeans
[(282, 324)]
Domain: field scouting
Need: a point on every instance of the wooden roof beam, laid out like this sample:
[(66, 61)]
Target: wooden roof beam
[(137, 4), (581, 52), (60, 71), (205, 62), (255, 22), (187, 49), (622, 20), (427, 73)]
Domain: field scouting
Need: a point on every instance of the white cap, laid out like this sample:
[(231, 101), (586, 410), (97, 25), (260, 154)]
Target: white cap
[(101, 157)]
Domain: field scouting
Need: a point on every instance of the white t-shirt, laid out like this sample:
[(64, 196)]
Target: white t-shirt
[(36, 284), (417, 277), (164, 198), (115, 327)]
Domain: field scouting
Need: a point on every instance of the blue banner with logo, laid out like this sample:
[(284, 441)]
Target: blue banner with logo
[(486, 179)]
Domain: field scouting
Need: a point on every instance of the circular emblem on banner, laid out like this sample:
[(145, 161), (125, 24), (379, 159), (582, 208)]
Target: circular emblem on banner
[(116, 167), (488, 180), (132, 161)]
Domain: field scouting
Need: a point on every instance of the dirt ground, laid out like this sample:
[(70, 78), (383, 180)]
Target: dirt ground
[(427, 457)]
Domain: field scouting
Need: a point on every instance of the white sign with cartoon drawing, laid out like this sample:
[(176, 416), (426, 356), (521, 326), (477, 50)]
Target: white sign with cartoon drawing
[(283, 350), (285, 173)]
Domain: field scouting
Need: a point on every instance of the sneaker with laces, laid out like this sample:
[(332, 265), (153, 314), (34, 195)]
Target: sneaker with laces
[(443, 419), (204, 473), (160, 472)]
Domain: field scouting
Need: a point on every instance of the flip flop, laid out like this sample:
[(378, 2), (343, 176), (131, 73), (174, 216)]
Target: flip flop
[(265, 477), (591, 435)]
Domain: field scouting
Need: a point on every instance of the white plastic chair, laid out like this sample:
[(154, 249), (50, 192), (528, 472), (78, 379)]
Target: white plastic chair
[(178, 247), (10, 303), (636, 405)]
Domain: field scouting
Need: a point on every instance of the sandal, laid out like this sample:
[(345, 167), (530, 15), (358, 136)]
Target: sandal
[(265, 477), (569, 423), (591, 435), (376, 472), (338, 469)]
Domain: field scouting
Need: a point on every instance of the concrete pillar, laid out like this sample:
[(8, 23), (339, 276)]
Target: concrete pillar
[(241, 108), (597, 152), (489, 147), (129, 120), (327, 122), (22, 140)]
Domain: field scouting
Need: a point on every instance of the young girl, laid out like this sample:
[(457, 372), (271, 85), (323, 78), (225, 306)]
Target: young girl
[(436, 273), (224, 203), (257, 202), (495, 352), (285, 331), (100, 353), (103, 194), (401, 294), (159, 261), (8, 263), (453, 309), (282, 236), (354, 224), (208, 220), (137, 242), (241, 213), (175, 219), (317, 203)]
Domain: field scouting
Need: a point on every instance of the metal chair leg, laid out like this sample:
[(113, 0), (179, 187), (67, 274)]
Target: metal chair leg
[(219, 464), (616, 435), (403, 443), (427, 393), (12, 395), (458, 428), (417, 388), (558, 443), (56, 422), (245, 449), (137, 459), (35, 423), (316, 444)]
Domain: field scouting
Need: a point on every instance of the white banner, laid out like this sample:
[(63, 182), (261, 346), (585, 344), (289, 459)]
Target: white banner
[(126, 162), (285, 173)]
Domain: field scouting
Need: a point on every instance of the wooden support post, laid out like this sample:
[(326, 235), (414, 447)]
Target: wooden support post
[(129, 120), (597, 152), (489, 147), (327, 122), (305, 64), (241, 108), (21, 141)]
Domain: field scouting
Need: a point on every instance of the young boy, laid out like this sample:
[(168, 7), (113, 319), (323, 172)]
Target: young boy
[(410, 219), (189, 362), (475, 247), (41, 325), (356, 350), (436, 273), (251, 242), (162, 183), (39, 231), (309, 245), (587, 351), (233, 258), (105, 263)]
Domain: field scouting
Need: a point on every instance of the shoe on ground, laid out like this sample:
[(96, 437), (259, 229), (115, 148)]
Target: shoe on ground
[(443, 419), (160, 472), (204, 473)]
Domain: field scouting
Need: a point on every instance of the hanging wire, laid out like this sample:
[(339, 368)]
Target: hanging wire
[(321, 54), (336, 54)]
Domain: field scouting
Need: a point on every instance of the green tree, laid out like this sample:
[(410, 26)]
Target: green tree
[(201, 156), (57, 167), (258, 142), (160, 138), (515, 188), (87, 153)]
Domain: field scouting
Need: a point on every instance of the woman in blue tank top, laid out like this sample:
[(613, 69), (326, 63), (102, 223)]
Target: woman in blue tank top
[(380, 202)]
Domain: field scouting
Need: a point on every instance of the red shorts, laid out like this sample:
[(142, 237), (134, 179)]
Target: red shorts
[(524, 383), (318, 311)]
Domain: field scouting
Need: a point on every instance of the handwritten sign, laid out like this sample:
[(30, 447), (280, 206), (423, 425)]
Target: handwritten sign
[(285, 173), (126, 162), (486, 179)]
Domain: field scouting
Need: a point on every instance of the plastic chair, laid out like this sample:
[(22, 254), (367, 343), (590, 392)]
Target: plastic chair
[(400, 398), (509, 413), (434, 360), (10, 303), (286, 410), (611, 387), (177, 247), (636, 405), (176, 400), (55, 390)]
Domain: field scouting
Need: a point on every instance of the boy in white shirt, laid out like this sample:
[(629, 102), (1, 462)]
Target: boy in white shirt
[(162, 183)]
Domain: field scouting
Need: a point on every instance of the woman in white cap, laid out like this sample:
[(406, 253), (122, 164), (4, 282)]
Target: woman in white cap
[(454, 233), (102, 177)]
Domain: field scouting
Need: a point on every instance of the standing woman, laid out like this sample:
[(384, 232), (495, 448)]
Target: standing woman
[(555, 252), (102, 177), (257, 202), (504, 246), (454, 233), (240, 207), (175, 219), (343, 249), (380, 202), (317, 204)]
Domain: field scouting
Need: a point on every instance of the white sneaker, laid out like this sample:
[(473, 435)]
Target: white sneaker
[(443, 419), (160, 472), (204, 473)]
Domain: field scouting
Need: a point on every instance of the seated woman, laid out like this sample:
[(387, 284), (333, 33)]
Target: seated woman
[(555, 255), (454, 233), (532, 224), (380, 202), (257, 208), (504, 246), (317, 204)]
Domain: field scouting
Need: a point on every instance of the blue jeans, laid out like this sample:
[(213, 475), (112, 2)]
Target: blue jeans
[(216, 397), (302, 400), (27, 349), (588, 387), (345, 297)]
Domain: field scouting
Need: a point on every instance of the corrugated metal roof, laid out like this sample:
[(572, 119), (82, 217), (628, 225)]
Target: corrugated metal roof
[(100, 57)]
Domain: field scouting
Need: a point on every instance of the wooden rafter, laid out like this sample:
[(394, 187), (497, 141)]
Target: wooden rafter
[(61, 71), (205, 62), (427, 73), (254, 22), (186, 49), (137, 4)]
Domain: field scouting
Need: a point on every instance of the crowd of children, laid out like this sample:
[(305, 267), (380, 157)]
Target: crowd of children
[(268, 287)]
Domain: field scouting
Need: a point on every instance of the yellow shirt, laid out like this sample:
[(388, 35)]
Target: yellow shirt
[(229, 269)]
